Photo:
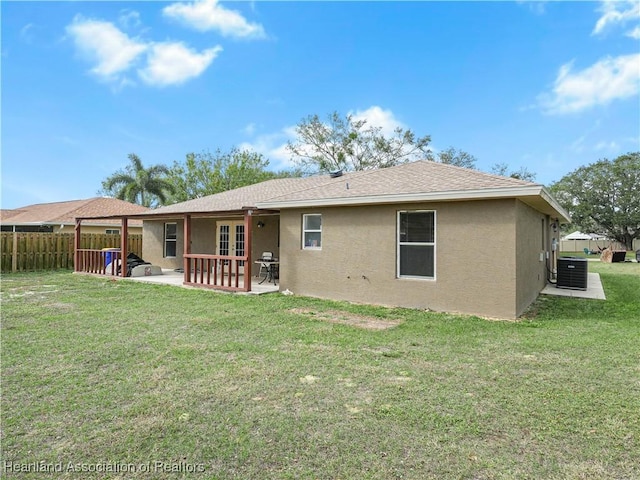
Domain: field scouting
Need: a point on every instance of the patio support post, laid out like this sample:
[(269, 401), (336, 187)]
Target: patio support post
[(247, 249), (76, 245), (124, 239), (186, 249)]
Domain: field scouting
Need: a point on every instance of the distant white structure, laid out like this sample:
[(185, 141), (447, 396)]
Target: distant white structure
[(592, 243), (584, 236)]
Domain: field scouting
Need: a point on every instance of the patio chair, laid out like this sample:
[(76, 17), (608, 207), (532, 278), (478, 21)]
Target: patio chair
[(267, 257), (587, 251)]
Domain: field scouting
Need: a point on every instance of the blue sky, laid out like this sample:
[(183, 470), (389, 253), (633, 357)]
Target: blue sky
[(549, 86)]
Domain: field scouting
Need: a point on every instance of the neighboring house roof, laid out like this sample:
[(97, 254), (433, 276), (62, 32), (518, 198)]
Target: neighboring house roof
[(64, 213), (5, 214), (598, 236), (577, 235)]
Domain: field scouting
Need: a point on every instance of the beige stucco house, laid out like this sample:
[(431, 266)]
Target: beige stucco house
[(420, 235)]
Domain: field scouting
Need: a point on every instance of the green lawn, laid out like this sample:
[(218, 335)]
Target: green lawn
[(101, 375)]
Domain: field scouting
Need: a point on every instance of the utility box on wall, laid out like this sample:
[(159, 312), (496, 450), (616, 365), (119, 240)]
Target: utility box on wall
[(572, 273)]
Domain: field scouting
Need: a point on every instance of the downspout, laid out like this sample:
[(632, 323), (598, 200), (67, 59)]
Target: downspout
[(552, 269)]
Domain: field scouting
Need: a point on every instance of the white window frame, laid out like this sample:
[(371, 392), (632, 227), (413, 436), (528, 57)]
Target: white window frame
[(166, 240), (305, 231), (112, 231), (426, 244)]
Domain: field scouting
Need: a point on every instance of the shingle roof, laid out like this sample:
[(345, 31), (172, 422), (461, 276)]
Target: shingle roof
[(420, 177), (421, 180), (239, 198), (58, 213)]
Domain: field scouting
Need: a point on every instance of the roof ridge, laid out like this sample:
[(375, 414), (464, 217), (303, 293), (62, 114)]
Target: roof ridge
[(487, 174), (26, 207), (333, 180), (93, 200), (348, 175)]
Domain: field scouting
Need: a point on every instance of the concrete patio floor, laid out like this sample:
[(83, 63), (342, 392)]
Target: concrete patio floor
[(594, 289), (171, 277)]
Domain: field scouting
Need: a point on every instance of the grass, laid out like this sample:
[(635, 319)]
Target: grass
[(630, 256), (101, 375)]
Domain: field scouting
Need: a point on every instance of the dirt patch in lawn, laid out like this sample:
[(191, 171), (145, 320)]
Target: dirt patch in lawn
[(346, 318)]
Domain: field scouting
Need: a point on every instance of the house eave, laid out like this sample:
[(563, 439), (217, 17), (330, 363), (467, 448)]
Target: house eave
[(535, 195), (255, 211)]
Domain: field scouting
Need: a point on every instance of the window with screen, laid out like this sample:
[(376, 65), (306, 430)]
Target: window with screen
[(170, 239), (416, 244), (312, 231)]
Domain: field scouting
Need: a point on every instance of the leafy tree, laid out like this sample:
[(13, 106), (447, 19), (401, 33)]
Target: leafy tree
[(522, 174), (203, 174), (604, 197), (452, 156), (350, 144), (136, 184)]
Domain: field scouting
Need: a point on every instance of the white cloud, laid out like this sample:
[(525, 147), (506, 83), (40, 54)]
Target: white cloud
[(26, 33), (112, 51), (635, 33), (115, 54), (378, 117), (535, 6), (577, 145), (172, 63), (616, 13), (611, 78), (249, 129), (609, 146), (129, 18), (208, 15), (274, 147)]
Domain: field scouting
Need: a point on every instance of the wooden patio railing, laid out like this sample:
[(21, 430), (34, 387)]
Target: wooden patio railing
[(101, 262), (220, 272)]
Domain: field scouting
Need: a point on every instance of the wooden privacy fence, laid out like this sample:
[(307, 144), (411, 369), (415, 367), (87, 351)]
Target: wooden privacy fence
[(22, 252), (594, 245)]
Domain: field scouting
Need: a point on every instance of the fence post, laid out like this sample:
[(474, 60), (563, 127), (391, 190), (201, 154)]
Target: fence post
[(14, 252), (29, 251)]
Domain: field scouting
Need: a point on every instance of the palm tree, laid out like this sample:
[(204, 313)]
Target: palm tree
[(136, 184)]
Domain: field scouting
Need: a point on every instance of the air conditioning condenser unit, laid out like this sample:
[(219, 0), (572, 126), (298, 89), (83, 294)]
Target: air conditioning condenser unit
[(572, 273)]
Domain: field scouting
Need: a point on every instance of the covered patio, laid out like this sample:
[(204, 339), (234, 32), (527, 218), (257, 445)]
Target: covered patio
[(227, 264), (176, 279)]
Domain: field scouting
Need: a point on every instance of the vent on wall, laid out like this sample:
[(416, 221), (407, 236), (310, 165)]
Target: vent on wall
[(572, 273)]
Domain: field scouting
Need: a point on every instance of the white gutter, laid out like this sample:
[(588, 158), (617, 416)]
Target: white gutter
[(61, 224), (449, 195), (547, 197)]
